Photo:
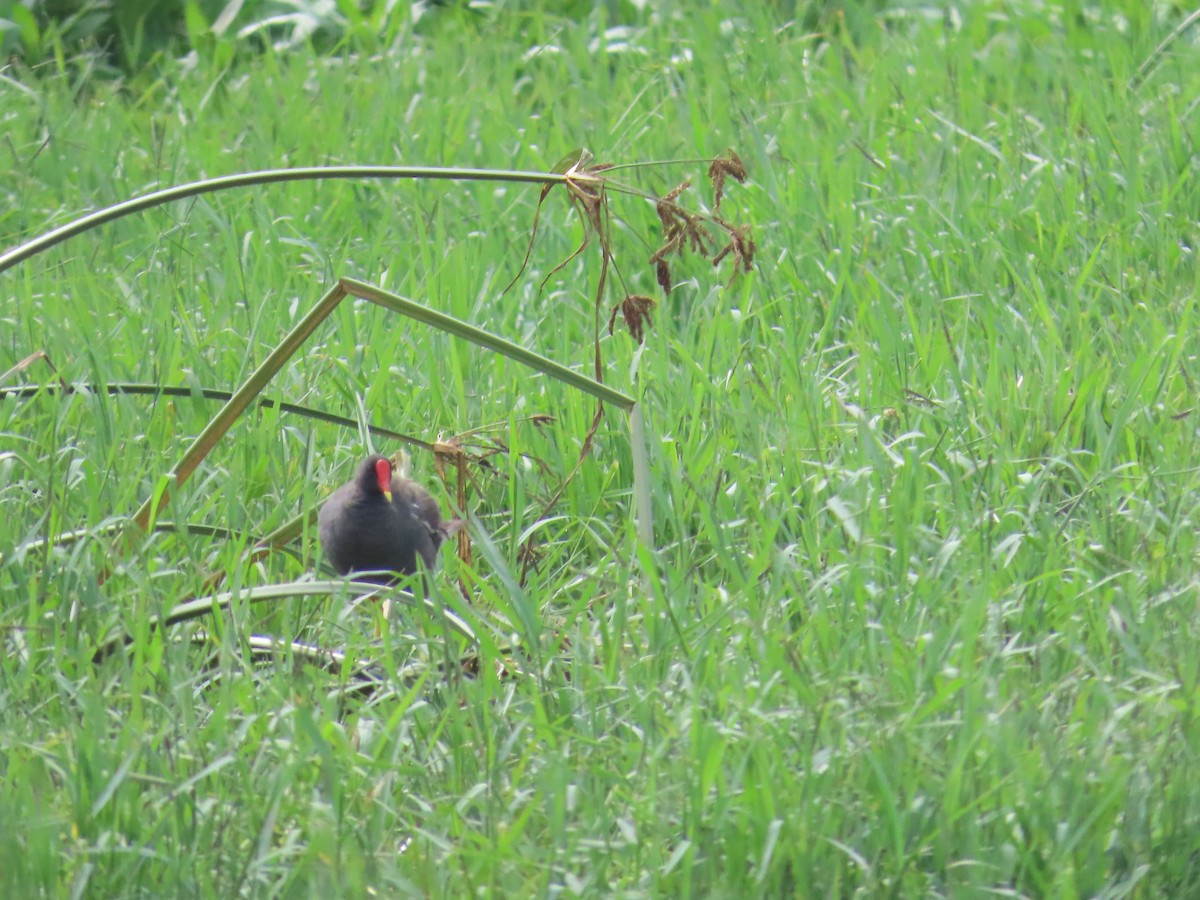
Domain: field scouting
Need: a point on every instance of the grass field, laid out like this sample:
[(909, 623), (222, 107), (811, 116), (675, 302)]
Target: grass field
[(920, 614)]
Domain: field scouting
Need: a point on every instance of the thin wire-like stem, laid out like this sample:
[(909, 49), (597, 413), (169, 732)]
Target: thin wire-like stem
[(158, 390), (161, 526)]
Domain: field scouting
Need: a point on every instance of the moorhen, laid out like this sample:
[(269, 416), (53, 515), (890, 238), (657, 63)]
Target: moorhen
[(379, 524)]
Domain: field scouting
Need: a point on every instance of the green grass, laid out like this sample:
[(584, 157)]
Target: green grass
[(921, 614)]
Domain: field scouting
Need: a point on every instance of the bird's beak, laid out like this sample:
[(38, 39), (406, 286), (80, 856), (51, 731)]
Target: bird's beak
[(383, 472)]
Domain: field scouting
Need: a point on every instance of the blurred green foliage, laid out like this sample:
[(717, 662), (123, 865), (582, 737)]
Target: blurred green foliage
[(123, 37), (116, 38)]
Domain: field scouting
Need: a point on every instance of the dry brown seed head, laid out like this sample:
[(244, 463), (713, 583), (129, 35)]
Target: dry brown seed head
[(663, 271), (635, 309), (741, 246), (720, 168)]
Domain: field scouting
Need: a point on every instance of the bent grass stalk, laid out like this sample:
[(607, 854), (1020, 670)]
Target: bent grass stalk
[(65, 232), (202, 606), (261, 377)]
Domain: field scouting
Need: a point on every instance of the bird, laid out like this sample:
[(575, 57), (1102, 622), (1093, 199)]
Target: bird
[(379, 524)]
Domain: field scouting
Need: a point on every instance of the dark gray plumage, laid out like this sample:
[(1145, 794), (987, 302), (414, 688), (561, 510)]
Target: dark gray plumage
[(363, 530)]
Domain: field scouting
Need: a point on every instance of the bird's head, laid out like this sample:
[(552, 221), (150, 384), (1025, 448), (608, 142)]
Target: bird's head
[(375, 476)]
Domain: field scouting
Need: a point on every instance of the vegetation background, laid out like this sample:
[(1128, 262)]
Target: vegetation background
[(921, 614)]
